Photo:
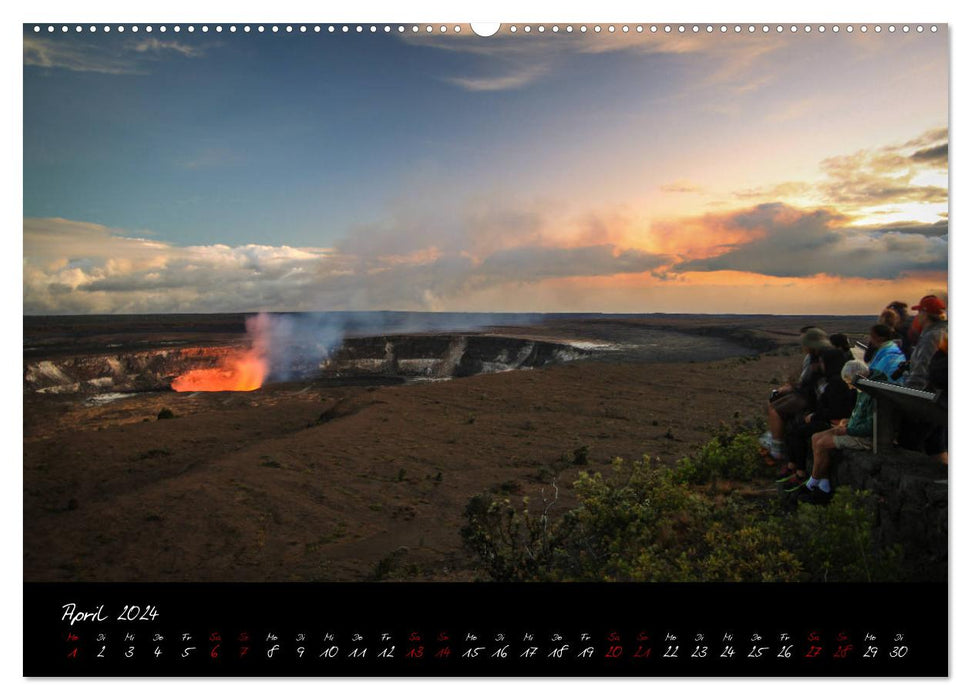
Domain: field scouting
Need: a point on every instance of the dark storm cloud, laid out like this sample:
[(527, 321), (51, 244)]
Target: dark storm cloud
[(936, 155), (789, 242)]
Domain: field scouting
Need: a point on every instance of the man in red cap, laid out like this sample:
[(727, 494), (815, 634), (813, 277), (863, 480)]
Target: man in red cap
[(930, 354), (933, 334)]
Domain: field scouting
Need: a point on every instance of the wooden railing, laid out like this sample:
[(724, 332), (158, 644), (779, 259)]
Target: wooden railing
[(892, 401)]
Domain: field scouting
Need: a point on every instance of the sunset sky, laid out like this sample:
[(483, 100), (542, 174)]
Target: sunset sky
[(709, 173)]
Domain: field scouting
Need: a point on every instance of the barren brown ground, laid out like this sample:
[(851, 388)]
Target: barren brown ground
[(297, 482), (307, 482)]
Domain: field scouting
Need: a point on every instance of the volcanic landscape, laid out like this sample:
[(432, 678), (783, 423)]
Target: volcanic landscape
[(305, 454)]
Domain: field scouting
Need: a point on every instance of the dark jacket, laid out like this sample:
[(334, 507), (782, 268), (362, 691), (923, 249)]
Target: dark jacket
[(836, 402), (931, 338), (861, 420)]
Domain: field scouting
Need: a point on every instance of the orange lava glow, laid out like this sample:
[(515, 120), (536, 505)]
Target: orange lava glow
[(244, 372)]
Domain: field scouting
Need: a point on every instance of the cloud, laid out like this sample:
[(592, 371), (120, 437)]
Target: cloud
[(82, 54), (871, 177), (533, 263), (928, 138), (513, 60), (155, 45), (936, 229), (75, 56), (78, 267), (935, 154), (790, 242), (518, 77), (782, 190), (421, 218), (429, 250), (680, 187)]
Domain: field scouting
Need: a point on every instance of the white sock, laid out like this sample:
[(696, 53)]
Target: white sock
[(811, 484), (824, 485)]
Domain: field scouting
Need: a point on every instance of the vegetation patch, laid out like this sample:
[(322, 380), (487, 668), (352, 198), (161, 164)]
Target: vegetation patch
[(646, 521)]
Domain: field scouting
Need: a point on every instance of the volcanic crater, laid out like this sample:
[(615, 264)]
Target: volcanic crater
[(362, 468)]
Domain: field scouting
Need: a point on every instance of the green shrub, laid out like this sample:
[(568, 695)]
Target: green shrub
[(510, 543), (637, 523), (646, 522), (728, 455), (626, 524), (835, 542), (755, 552)]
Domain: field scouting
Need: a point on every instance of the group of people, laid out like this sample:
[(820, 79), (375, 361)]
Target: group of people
[(824, 410)]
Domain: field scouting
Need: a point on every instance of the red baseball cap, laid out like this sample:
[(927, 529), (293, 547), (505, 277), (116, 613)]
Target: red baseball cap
[(931, 304)]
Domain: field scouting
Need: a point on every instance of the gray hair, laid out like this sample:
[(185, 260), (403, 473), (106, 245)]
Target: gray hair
[(853, 370)]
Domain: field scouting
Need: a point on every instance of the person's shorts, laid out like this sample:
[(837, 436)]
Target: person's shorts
[(790, 404), (851, 442)]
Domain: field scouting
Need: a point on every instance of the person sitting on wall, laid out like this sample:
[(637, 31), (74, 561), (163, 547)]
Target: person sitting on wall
[(896, 318), (928, 372), (887, 356), (933, 327), (891, 319), (835, 403), (842, 342), (857, 434), (792, 400), (903, 327)]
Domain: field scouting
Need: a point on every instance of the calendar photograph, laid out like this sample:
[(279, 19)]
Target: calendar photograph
[(506, 310)]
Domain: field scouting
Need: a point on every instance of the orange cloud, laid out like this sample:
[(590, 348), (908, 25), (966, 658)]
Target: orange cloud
[(716, 233)]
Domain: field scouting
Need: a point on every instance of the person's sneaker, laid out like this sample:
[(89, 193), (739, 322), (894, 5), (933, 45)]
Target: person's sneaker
[(766, 440), (785, 471), (791, 480), (816, 497), (799, 483)]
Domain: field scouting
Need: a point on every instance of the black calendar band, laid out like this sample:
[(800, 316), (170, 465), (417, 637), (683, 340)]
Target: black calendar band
[(500, 630)]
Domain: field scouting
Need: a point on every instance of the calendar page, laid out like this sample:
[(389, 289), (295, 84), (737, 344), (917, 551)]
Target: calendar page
[(545, 349)]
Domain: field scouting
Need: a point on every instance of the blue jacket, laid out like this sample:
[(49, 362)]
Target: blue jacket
[(886, 360)]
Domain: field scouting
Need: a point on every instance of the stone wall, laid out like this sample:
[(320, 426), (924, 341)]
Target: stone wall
[(911, 491)]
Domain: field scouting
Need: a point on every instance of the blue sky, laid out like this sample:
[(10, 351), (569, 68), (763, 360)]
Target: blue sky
[(567, 172), (236, 139)]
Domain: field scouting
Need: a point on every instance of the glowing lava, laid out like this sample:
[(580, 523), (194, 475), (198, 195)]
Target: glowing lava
[(242, 372)]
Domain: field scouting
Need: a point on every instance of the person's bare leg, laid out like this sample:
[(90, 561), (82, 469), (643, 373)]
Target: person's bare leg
[(823, 445), (777, 424)]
